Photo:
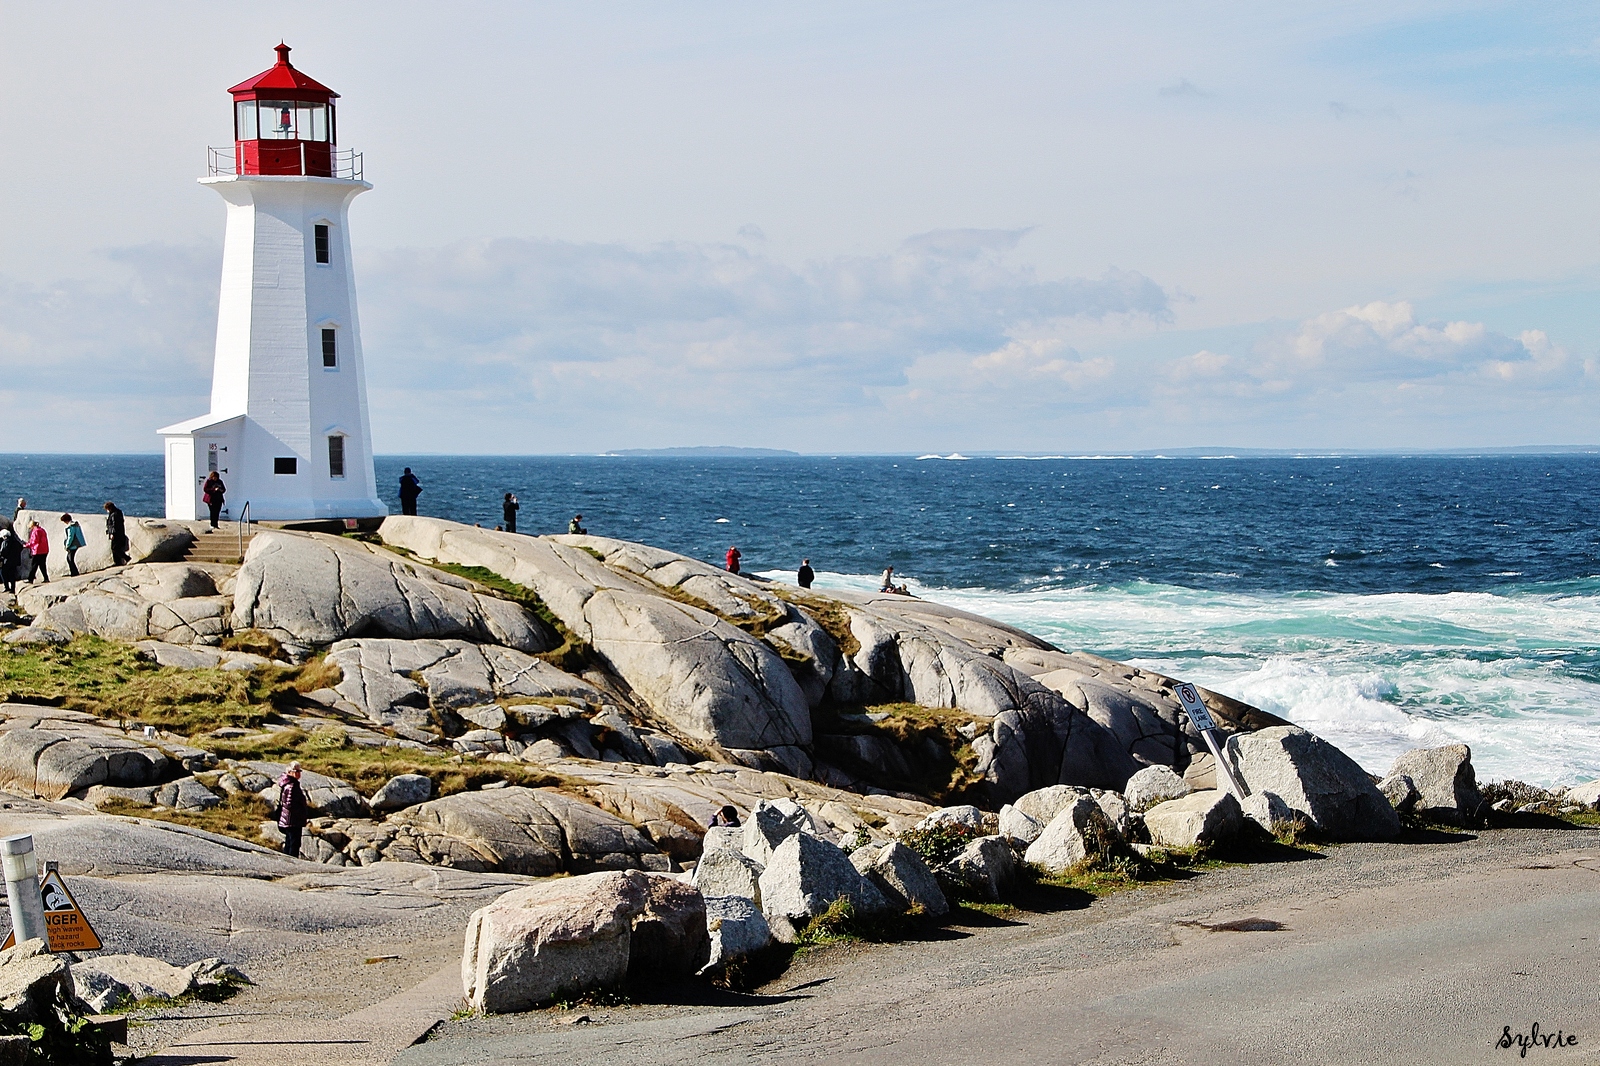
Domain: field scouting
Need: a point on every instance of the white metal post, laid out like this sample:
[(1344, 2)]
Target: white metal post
[(22, 888)]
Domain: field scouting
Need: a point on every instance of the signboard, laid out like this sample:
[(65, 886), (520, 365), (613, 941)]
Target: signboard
[(1189, 696), (65, 923)]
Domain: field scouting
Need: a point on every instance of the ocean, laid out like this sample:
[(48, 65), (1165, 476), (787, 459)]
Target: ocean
[(1382, 602)]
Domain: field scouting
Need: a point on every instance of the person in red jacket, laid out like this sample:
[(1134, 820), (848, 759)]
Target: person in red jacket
[(39, 548), (733, 560)]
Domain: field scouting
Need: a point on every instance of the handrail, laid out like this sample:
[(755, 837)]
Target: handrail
[(344, 163), (244, 517)]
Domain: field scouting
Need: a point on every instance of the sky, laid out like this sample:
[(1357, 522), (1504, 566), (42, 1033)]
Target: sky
[(839, 227)]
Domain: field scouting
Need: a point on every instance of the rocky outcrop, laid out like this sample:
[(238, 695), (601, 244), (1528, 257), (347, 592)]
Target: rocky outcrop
[(313, 590), (1198, 819), (552, 939), (519, 830), (985, 869), (1267, 810), (50, 764), (1319, 782), (708, 678), (154, 540), (770, 823), (1401, 792), (669, 938), (174, 603), (737, 930), (109, 981), (1585, 795), (1447, 787), (402, 791), (901, 875)]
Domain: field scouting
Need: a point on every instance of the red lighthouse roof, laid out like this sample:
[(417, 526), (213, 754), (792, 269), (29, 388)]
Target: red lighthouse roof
[(282, 81)]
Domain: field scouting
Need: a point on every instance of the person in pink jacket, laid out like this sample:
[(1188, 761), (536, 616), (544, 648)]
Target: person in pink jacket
[(39, 548)]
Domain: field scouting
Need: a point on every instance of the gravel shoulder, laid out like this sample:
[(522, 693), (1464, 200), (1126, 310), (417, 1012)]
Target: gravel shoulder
[(1423, 951)]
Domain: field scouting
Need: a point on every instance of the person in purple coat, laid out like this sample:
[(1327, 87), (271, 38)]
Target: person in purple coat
[(291, 809)]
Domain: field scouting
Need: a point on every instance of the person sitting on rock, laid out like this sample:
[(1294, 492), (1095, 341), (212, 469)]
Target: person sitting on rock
[(576, 525), (726, 816)]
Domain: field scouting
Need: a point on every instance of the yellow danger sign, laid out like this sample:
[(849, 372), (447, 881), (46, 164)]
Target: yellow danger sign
[(65, 923)]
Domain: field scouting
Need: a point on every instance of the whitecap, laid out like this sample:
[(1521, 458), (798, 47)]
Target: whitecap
[(722, 521)]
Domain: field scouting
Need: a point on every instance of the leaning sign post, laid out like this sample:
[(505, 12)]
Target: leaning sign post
[(1195, 707), (66, 927)]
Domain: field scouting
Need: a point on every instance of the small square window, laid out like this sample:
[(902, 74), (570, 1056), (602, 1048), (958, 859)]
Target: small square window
[(330, 347), (290, 465), (336, 457), (320, 237)]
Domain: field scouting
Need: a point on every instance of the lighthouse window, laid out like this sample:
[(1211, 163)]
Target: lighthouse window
[(319, 235), (245, 121), (330, 348), (336, 457), (289, 120), (288, 465)]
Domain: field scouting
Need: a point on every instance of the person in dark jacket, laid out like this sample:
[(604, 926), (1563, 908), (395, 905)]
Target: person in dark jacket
[(10, 559), (733, 560), (291, 809), (117, 534), (726, 816), (410, 489), (212, 494), (806, 574), (509, 508)]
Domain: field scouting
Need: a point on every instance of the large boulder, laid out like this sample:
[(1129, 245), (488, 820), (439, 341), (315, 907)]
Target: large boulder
[(168, 602), (1043, 804), (324, 795), (552, 939), (1266, 809), (1319, 782), (728, 873), (711, 680), (1019, 828), (804, 876), (33, 983), (770, 823), (1446, 784), (312, 589), (669, 938), (108, 981), (149, 539), (519, 830), (1079, 831), (903, 878), (402, 791), (1585, 795), (1401, 792), (964, 814), (1153, 785), (985, 869), (1200, 818), (737, 930)]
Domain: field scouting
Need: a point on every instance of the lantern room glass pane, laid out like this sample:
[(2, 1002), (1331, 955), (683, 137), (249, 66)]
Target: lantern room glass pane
[(245, 120), (316, 128), (278, 120)]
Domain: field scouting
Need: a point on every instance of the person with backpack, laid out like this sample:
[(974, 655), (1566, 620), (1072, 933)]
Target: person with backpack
[(212, 494), (72, 540), (39, 548), (410, 489)]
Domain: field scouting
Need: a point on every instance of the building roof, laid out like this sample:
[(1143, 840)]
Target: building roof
[(283, 80), (194, 425)]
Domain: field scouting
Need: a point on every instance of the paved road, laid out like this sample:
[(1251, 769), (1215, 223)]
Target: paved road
[(1416, 953)]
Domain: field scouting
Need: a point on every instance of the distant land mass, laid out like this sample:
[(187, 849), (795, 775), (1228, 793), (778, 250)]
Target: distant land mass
[(704, 452)]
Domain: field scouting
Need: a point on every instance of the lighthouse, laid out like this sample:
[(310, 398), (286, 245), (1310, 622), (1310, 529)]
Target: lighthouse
[(288, 430)]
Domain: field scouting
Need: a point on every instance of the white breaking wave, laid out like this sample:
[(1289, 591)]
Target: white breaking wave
[(1516, 676)]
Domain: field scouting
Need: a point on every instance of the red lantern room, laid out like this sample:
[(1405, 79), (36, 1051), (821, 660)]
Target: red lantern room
[(283, 122)]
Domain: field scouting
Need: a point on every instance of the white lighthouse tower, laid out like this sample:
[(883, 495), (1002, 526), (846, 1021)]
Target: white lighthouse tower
[(288, 429)]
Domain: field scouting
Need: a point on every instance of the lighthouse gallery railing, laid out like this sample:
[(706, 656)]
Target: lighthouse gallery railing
[(347, 163)]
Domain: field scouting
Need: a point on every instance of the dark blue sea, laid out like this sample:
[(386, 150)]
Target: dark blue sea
[(1385, 602)]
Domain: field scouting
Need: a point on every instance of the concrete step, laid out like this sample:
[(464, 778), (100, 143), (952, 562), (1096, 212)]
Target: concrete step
[(221, 546)]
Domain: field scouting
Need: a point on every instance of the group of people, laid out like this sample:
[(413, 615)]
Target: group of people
[(411, 488), (34, 542), (805, 575)]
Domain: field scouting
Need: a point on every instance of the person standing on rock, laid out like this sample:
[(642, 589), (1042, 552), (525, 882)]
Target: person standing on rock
[(117, 534), (10, 559), (39, 548), (212, 494), (575, 527), (806, 574), (509, 508), (410, 489), (291, 809), (72, 540), (733, 560)]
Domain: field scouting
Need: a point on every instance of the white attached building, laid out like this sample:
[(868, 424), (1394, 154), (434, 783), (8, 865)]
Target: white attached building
[(288, 429)]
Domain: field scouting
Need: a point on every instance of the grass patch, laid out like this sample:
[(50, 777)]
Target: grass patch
[(109, 680), (239, 815), (254, 641), (830, 614), (327, 751), (571, 656), (841, 923), (941, 760)]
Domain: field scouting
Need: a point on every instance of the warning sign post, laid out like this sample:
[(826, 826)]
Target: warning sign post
[(66, 926)]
